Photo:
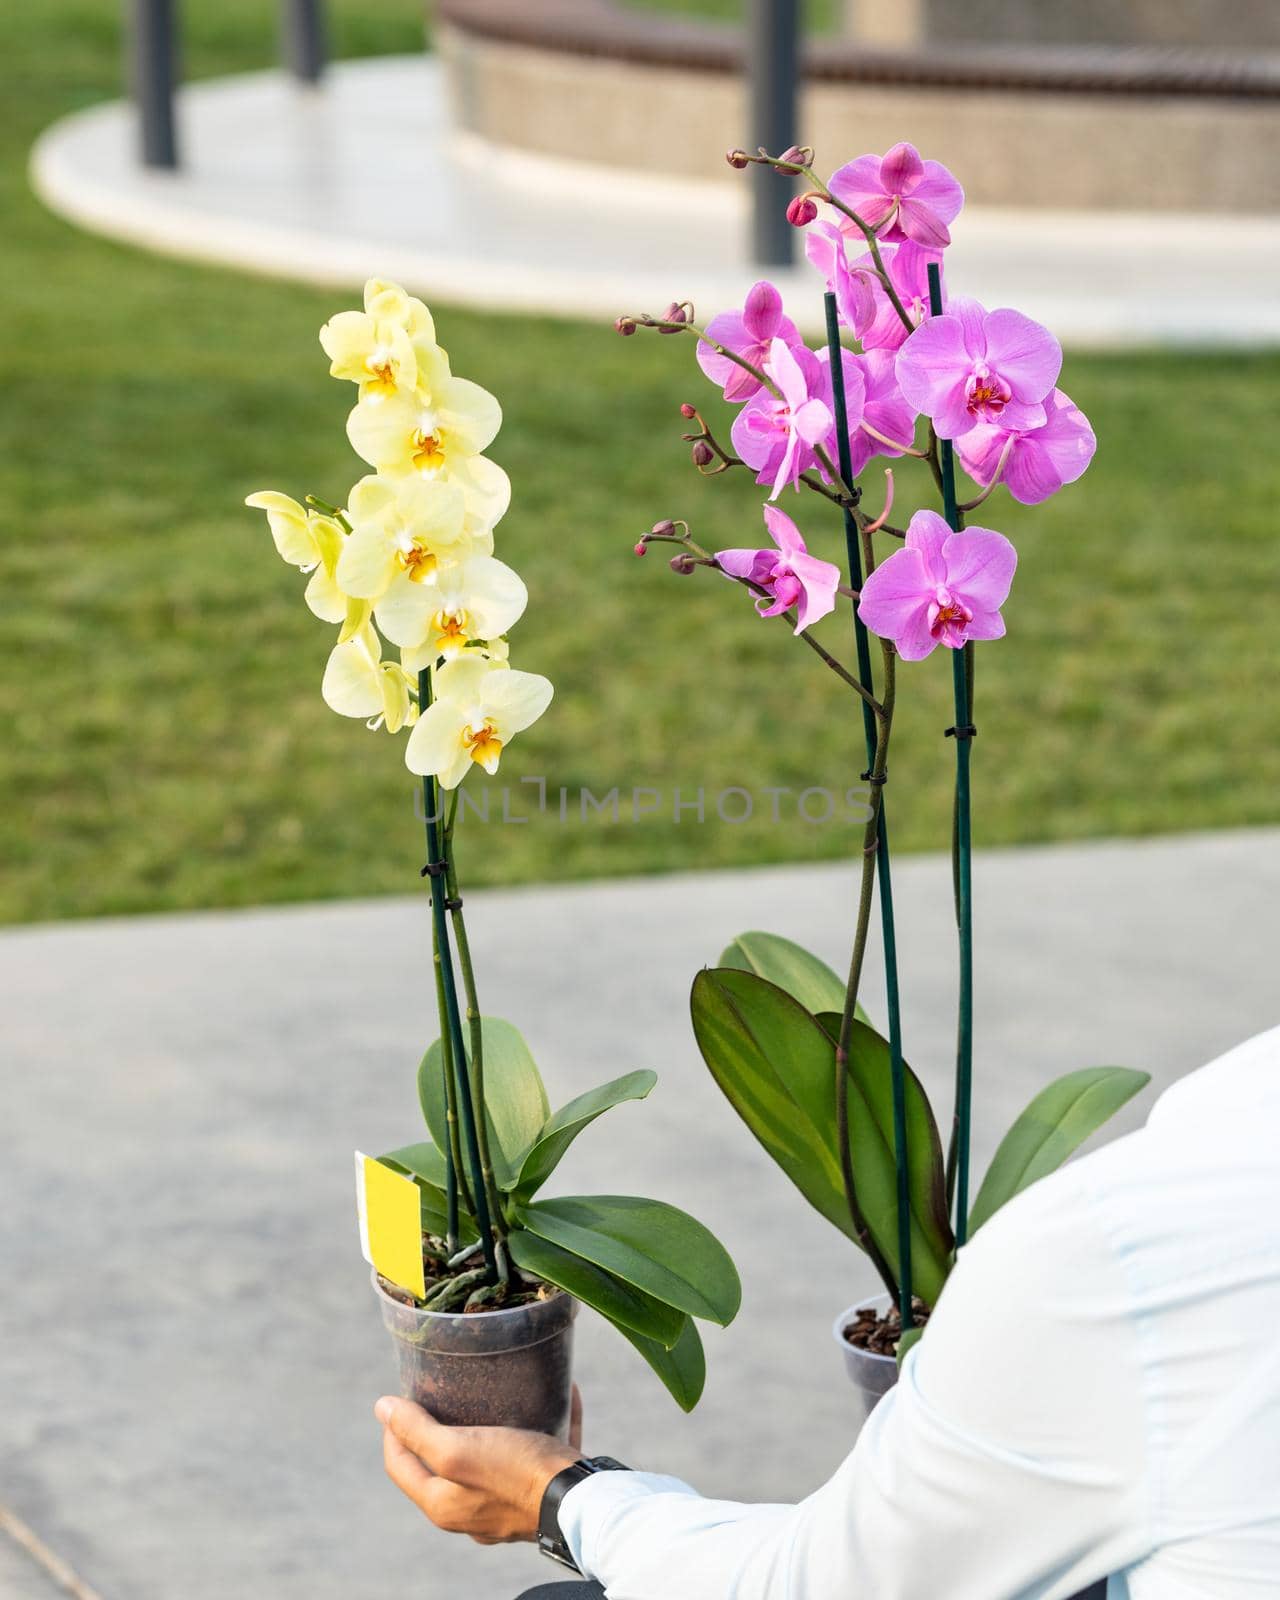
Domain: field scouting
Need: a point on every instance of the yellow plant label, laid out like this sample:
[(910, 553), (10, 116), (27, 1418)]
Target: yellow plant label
[(390, 1224)]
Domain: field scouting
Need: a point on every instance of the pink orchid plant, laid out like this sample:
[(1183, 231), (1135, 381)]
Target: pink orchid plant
[(981, 386)]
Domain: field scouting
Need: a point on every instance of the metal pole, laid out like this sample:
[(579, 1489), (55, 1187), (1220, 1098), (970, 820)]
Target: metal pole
[(772, 69), (153, 72), (302, 39)]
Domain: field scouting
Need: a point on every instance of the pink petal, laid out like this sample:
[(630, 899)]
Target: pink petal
[(973, 318), (932, 363), (895, 419), (820, 580), (940, 191), (979, 567), (784, 532), (784, 369), (898, 588), (916, 641), (813, 421), (1066, 436), (746, 563), (901, 169), (984, 625), (858, 184), (755, 444), (927, 534), (762, 312), (921, 223), (1026, 355), (979, 451), (1019, 416), (729, 330), (1030, 474), (953, 419)]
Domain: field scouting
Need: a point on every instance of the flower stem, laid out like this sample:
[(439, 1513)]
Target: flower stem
[(436, 869), (476, 1029), (877, 856), (454, 1170), (961, 850)]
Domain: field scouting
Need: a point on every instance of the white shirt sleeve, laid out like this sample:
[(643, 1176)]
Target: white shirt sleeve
[(1009, 1463)]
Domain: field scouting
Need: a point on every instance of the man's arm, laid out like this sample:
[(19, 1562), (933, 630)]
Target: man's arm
[(1008, 1462)]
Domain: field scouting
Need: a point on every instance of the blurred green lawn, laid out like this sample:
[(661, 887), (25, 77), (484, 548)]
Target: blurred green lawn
[(165, 742)]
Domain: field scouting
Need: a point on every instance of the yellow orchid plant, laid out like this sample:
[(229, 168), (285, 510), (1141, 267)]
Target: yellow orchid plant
[(406, 571)]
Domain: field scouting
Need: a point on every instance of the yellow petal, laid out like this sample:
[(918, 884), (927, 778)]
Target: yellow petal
[(289, 525), (355, 620), (351, 684), (324, 597), (436, 747), (514, 700)]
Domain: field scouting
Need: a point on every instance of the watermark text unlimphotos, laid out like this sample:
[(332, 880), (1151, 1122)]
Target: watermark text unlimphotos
[(509, 805)]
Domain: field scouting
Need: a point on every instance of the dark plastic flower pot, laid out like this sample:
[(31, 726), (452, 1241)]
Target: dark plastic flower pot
[(508, 1368)]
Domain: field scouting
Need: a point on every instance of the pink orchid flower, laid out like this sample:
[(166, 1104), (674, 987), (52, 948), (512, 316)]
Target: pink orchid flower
[(883, 407), (860, 298), (1036, 463), (749, 333), (972, 365), (920, 197), (776, 433), (940, 588), (791, 575)]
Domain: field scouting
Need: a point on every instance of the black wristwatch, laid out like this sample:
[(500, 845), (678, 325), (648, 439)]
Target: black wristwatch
[(550, 1540)]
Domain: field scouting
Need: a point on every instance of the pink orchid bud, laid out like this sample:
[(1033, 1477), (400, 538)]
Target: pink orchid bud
[(738, 159), (687, 411), (641, 548), (702, 453), (625, 326), (683, 564), (661, 529), (675, 313), (802, 211)]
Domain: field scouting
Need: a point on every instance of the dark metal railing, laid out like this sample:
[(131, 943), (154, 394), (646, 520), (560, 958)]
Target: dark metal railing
[(773, 70)]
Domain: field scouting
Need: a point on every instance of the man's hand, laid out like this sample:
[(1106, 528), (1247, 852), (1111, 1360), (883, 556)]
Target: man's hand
[(486, 1482)]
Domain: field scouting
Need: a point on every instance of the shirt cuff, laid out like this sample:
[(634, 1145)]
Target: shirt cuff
[(588, 1506)]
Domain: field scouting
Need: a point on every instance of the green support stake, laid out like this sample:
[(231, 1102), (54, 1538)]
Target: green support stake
[(963, 732), (466, 1107), (884, 881)]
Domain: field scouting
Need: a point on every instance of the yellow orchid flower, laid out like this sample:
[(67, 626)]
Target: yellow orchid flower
[(403, 434), (402, 530), (358, 683), (478, 707), (314, 543), (478, 598)]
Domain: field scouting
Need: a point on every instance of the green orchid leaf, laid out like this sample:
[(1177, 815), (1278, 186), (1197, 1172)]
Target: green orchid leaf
[(871, 1146), (910, 1337), (1053, 1126), (653, 1246), (515, 1098), (420, 1161), (776, 1067), (565, 1126), (803, 976), (631, 1311), (683, 1368)]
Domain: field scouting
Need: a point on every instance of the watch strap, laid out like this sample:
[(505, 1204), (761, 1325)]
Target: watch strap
[(550, 1539)]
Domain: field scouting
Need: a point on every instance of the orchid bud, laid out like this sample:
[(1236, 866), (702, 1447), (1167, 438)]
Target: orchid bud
[(683, 564), (687, 411), (641, 548), (738, 159), (802, 210), (661, 529), (625, 326), (702, 453), (675, 313)]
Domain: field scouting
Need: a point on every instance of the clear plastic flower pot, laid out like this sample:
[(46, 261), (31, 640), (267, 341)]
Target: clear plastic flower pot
[(872, 1375), (510, 1368)]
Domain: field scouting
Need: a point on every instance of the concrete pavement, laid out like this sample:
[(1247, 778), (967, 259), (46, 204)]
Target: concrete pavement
[(188, 1346)]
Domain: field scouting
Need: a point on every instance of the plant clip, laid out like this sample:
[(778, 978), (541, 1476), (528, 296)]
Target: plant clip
[(454, 903), (967, 731), (870, 777), (433, 869)]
